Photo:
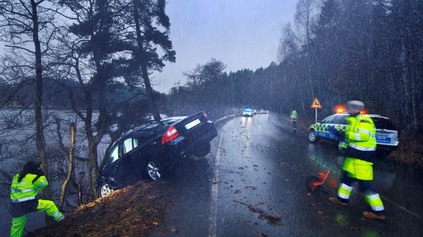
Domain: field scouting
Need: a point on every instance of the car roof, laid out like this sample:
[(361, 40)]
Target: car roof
[(151, 126), (370, 115)]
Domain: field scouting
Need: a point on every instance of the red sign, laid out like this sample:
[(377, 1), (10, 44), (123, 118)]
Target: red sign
[(316, 104)]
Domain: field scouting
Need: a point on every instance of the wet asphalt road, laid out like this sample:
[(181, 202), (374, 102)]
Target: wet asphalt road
[(253, 183)]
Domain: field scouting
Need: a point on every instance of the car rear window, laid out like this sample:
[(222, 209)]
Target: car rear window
[(383, 123)]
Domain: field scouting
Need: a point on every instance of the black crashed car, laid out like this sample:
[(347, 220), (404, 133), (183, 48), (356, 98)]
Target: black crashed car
[(153, 149)]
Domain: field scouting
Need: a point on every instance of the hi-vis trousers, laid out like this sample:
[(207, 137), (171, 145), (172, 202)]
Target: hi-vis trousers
[(47, 206)]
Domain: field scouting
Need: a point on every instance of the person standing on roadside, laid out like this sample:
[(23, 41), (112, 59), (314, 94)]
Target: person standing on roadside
[(23, 191), (294, 119), (360, 137)]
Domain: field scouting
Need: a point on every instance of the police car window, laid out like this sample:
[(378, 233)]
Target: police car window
[(339, 119), (328, 119)]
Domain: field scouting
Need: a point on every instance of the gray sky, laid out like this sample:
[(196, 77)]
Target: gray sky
[(240, 33)]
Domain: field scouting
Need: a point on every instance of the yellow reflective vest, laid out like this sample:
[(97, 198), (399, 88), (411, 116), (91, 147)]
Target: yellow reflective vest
[(26, 189), (361, 133), (361, 139), (294, 114)]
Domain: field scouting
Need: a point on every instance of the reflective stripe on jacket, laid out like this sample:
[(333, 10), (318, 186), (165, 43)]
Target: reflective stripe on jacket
[(26, 189)]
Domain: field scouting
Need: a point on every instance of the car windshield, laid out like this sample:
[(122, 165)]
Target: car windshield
[(328, 119)]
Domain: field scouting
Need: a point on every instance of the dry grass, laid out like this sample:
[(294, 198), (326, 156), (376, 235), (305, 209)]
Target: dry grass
[(132, 211)]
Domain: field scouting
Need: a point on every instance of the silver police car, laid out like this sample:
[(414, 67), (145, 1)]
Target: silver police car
[(387, 136)]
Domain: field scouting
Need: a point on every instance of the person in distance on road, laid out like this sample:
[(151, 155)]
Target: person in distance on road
[(360, 138), (294, 119)]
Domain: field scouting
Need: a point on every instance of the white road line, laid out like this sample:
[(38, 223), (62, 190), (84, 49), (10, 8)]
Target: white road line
[(214, 191)]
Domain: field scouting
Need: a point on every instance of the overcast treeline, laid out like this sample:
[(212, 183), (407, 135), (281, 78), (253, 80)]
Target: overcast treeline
[(336, 50)]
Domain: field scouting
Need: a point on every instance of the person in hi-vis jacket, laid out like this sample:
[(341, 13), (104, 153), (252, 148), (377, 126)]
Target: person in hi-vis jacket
[(23, 191), (360, 138)]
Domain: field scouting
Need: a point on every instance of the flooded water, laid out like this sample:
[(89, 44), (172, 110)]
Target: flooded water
[(34, 221), (15, 143)]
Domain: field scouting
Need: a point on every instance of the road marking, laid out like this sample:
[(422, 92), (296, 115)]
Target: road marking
[(402, 208), (214, 191)]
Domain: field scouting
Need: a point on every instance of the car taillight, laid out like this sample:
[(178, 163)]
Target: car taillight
[(206, 116), (170, 134)]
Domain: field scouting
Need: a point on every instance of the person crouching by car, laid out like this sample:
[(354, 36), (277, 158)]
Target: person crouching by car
[(23, 191)]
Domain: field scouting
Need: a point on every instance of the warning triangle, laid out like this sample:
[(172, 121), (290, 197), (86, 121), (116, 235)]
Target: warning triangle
[(316, 104)]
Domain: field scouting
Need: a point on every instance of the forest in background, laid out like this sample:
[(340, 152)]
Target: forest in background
[(368, 50)]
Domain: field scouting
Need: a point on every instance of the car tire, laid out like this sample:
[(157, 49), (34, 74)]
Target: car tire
[(312, 137), (202, 150), (104, 189), (153, 171)]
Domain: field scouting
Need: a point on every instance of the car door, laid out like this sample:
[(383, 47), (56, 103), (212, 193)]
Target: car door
[(120, 170), (113, 170), (340, 124), (325, 127), (133, 155)]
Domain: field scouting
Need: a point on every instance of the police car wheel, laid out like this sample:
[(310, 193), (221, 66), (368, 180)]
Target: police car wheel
[(312, 136)]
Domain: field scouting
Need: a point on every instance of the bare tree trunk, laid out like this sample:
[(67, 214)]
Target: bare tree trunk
[(410, 91), (79, 186), (92, 168), (143, 61), (310, 78), (70, 166), (414, 103), (300, 93), (40, 143), (39, 128)]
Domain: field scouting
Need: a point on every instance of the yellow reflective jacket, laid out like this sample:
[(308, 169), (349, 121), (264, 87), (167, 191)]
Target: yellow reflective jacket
[(361, 138), (294, 114), (361, 133), (28, 188)]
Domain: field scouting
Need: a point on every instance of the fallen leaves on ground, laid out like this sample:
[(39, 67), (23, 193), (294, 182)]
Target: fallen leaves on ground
[(273, 220), (132, 211)]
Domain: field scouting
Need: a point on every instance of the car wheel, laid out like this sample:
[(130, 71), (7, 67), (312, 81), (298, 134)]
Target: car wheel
[(153, 170), (312, 136), (202, 150), (104, 189)]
